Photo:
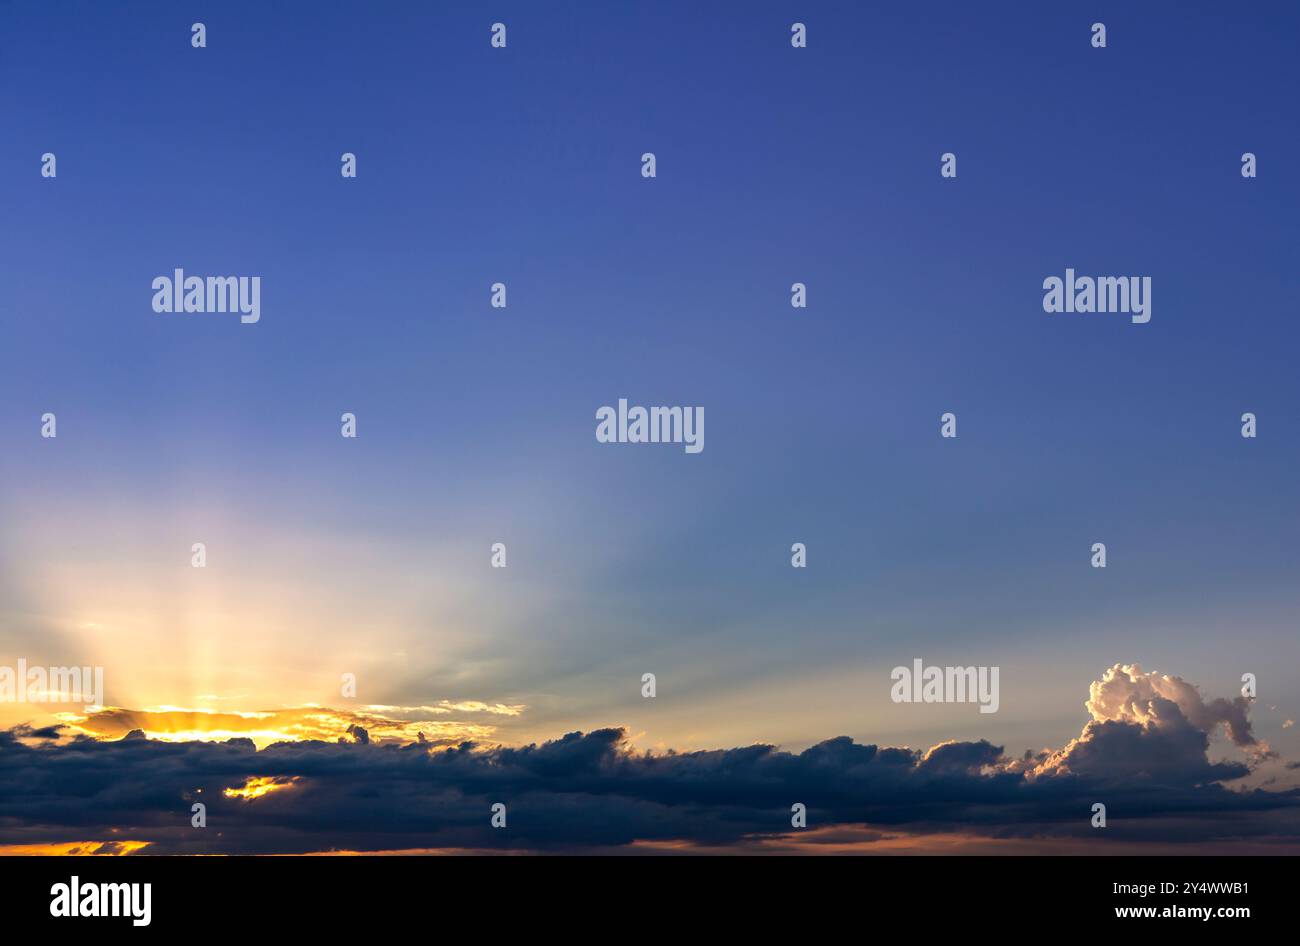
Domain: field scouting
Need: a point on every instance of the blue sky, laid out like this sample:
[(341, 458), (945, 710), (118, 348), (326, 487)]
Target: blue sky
[(775, 165)]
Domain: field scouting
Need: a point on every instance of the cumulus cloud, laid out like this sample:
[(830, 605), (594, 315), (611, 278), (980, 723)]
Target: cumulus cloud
[(1126, 693), (1155, 727), (1144, 753)]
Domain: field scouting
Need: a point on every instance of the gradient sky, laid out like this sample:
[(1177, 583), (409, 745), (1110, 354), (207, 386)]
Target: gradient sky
[(476, 425)]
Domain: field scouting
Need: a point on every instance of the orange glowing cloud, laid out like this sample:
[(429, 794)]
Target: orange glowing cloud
[(382, 724), (257, 786)]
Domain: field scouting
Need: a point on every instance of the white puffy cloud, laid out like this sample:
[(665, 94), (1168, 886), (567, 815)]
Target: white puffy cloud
[(1153, 725), (1127, 693)]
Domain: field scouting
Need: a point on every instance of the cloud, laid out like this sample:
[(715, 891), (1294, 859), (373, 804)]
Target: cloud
[(359, 735), (1144, 753), (1126, 693), (1154, 727), (447, 706)]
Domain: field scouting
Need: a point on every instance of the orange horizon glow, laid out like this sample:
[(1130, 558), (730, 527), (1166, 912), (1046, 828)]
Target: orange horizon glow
[(301, 723), (73, 849)]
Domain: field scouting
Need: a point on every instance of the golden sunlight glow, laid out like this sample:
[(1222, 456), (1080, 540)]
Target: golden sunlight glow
[(286, 724), (257, 786), (101, 848)]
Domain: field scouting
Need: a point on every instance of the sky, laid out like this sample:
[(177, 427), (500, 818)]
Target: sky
[(774, 165)]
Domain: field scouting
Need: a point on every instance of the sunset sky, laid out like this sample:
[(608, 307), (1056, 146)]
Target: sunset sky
[(328, 556)]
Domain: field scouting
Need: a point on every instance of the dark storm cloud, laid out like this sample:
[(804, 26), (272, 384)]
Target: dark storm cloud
[(588, 790)]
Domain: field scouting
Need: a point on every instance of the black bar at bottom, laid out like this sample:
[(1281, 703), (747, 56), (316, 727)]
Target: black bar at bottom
[(583, 895)]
